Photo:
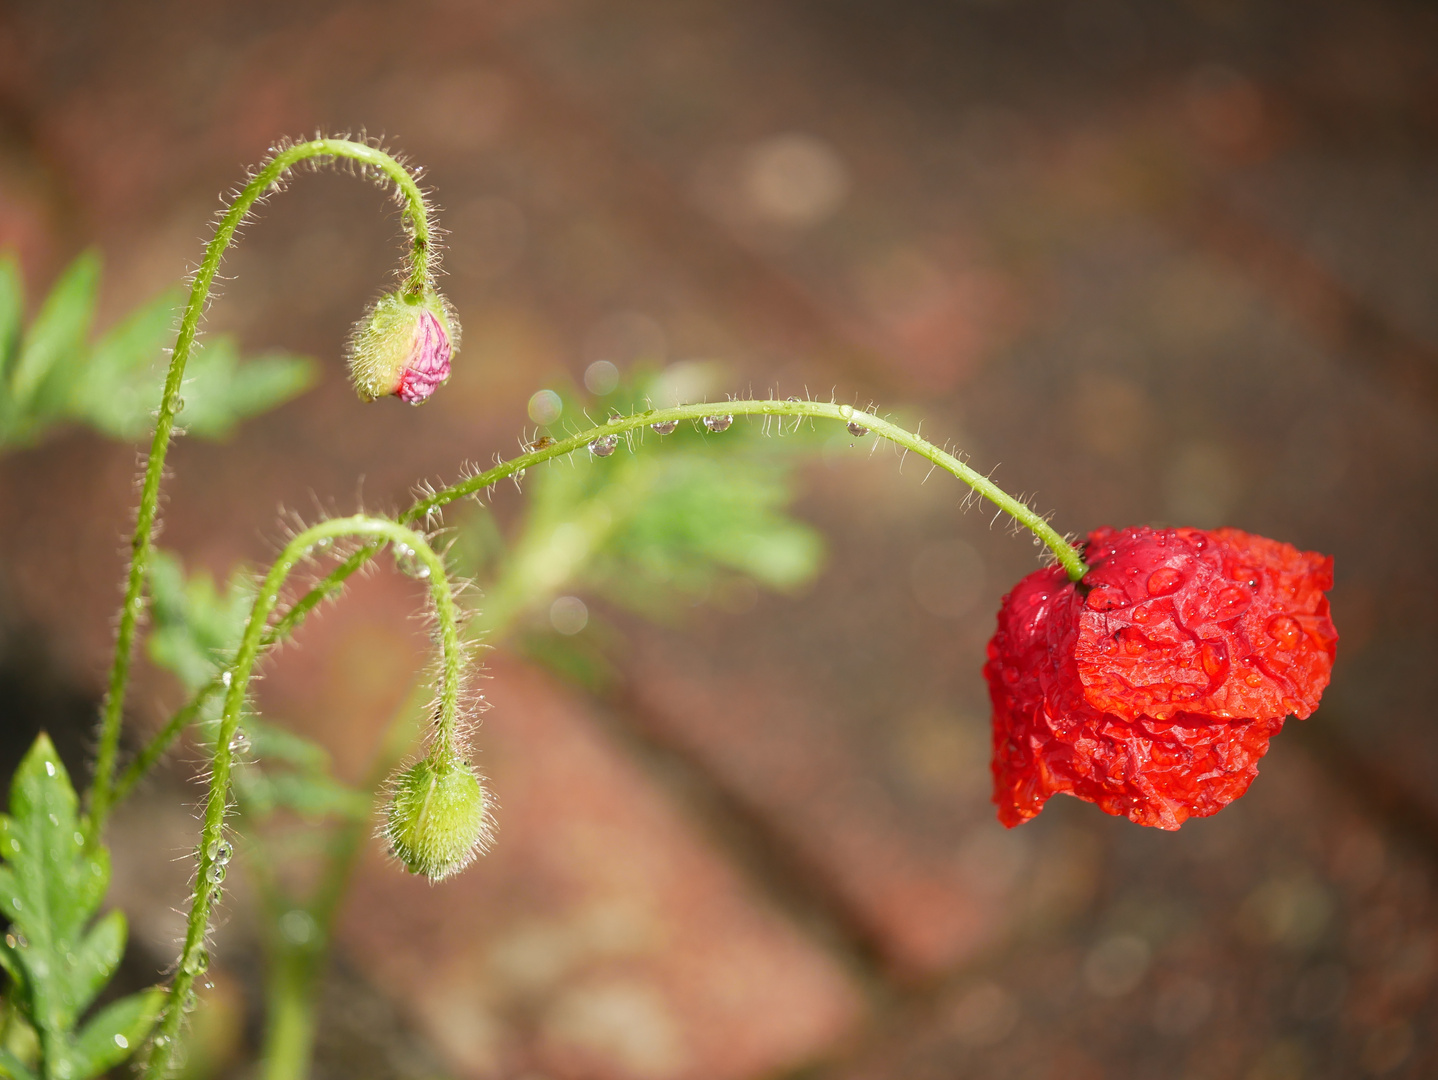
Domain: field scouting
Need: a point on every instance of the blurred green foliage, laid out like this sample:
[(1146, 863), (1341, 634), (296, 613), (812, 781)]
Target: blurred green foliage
[(50, 374), (195, 629), (662, 524)]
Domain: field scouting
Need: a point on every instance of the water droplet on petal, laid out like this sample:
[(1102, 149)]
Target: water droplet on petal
[(665, 427), (1163, 581), (1104, 598), (1253, 678), (604, 445), (717, 424), (1245, 574), (857, 430), (1214, 657), (1285, 630), (1231, 602)]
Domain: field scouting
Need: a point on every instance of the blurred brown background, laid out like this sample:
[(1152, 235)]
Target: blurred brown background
[(1167, 263)]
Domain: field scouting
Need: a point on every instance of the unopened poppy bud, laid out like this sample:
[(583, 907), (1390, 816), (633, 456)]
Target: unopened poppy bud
[(403, 346), (436, 822)]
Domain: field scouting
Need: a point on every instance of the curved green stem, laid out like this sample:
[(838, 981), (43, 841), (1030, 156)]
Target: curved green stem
[(210, 869), (416, 222), (1067, 555)]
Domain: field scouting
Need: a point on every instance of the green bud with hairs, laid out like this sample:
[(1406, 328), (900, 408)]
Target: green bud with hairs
[(438, 818)]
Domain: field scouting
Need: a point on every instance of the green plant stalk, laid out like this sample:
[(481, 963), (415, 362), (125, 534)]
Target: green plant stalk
[(329, 585), (289, 1037), (416, 222), (192, 959), (291, 996), (1066, 554)]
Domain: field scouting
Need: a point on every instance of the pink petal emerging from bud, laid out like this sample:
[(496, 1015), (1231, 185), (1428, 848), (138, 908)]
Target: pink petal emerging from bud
[(403, 347), (428, 364)]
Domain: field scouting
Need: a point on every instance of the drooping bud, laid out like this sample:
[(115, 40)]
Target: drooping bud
[(403, 346), (437, 817)]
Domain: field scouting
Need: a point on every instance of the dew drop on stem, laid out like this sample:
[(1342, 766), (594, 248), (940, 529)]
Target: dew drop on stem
[(215, 874), (604, 445), (409, 562), (857, 430), (240, 744), (717, 424), (665, 427)]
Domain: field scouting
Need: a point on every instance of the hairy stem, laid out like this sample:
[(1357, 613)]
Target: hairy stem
[(416, 222), (1067, 556), (210, 869)]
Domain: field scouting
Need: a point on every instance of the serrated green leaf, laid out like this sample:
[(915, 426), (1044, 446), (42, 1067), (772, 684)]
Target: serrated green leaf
[(220, 391), (57, 335), (13, 1068), (98, 957), (55, 884), (114, 1033)]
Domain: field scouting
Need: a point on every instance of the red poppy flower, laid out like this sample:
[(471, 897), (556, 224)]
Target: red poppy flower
[(1153, 686)]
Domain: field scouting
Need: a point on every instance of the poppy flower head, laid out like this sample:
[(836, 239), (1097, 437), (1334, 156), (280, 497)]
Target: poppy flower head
[(1153, 686), (403, 347)]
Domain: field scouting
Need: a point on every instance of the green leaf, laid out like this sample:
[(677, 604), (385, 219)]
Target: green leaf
[(269, 742), (115, 1032), (50, 886), (121, 388), (318, 795), (98, 957), (56, 339), (220, 391), (669, 522), (12, 312), (12, 1067), (195, 626)]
